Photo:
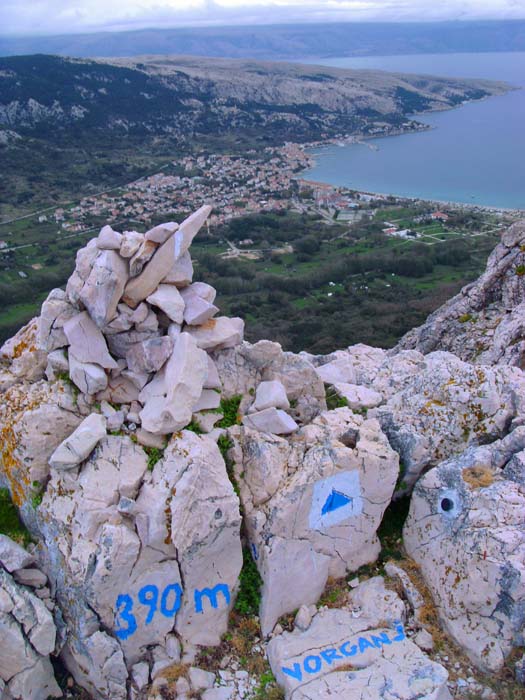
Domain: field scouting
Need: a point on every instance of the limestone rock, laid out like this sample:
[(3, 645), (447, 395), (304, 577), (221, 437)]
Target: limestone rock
[(90, 378), (120, 343), (26, 360), (185, 372), (337, 371), (340, 656), (197, 310), (77, 447), (271, 420), (181, 273), (12, 555), (161, 233), (446, 406), (167, 297), (108, 239), (270, 394), (56, 310), (312, 504), (221, 332), (358, 397), (465, 530), (131, 242), (103, 287), (483, 324), (87, 342), (141, 257), (150, 355), (57, 363), (162, 261)]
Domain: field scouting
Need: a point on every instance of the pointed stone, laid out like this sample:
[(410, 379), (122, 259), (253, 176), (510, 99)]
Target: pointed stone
[(87, 342), (271, 420), (270, 394), (162, 262), (131, 242)]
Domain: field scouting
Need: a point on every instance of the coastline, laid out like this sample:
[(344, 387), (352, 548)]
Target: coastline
[(362, 138)]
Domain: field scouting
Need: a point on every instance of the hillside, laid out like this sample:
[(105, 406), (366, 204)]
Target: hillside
[(283, 41), (71, 125)]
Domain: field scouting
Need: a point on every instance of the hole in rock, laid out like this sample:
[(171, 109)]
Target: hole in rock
[(447, 504)]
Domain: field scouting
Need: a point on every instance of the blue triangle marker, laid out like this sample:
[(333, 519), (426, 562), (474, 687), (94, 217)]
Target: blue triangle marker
[(334, 501)]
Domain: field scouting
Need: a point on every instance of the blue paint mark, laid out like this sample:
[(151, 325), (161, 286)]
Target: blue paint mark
[(254, 552), (124, 615), (211, 594), (312, 664), (334, 501)]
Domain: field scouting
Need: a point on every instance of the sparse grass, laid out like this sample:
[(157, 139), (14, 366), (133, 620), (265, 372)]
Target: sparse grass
[(333, 400), (250, 582), (194, 427), (335, 594), (10, 523), (465, 318), (230, 411), (154, 455), (520, 270)]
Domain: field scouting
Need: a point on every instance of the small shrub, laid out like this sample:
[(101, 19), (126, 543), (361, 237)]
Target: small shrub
[(333, 400), (520, 270), (194, 427), (10, 523), (465, 318), (250, 583)]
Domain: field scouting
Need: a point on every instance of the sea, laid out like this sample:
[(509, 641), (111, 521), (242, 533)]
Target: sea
[(472, 154)]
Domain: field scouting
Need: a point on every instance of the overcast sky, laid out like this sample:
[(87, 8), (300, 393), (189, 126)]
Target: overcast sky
[(73, 16)]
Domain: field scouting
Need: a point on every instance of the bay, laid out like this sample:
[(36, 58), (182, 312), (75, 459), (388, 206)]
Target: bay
[(473, 154)]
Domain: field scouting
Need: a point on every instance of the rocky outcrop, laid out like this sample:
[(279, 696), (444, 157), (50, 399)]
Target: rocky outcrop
[(27, 629), (312, 504), (483, 324), (466, 531), (360, 651)]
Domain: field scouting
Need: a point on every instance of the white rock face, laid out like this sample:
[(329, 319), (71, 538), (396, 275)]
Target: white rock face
[(56, 310), (466, 531), (28, 635), (108, 239), (313, 504), (447, 405), (12, 555), (218, 333), (343, 656), (181, 274), (150, 355), (131, 242), (161, 233), (78, 446), (87, 376), (358, 397), (179, 391)]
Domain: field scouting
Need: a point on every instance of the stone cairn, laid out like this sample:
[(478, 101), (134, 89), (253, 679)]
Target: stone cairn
[(112, 449)]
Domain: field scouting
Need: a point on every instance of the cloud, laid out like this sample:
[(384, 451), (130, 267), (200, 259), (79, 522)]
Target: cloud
[(73, 16)]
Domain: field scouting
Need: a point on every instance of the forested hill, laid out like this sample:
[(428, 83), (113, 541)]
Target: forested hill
[(287, 41), (68, 122)]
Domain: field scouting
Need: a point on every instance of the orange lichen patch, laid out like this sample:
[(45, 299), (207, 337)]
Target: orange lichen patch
[(27, 341), (209, 325), (16, 401), (478, 477)]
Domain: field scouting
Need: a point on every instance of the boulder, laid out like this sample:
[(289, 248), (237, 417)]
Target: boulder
[(78, 446), (26, 360), (86, 341), (341, 370), (141, 257), (466, 531), (358, 397), (196, 309), (120, 343), (446, 406), (167, 297), (343, 656), (56, 310), (312, 504), (12, 555), (160, 234)]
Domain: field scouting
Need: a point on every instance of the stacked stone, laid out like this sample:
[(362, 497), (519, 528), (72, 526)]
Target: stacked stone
[(27, 631), (132, 329)]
